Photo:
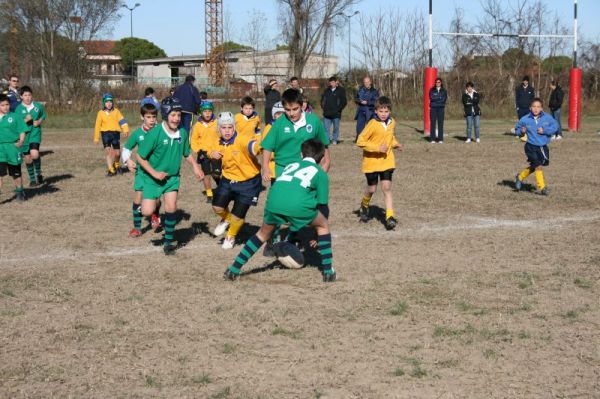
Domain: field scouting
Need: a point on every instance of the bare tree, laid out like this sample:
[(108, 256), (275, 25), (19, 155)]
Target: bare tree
[(256, 38), (305, 23)]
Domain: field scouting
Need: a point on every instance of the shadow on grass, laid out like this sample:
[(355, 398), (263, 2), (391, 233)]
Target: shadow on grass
[(46, 188), (511, 183), (375, 212), (46, 152)]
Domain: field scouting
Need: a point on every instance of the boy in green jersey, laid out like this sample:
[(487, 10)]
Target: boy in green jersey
[(12, 136), (149, 113), (298, 197), (159, 154), (288, 133), (34, 114)]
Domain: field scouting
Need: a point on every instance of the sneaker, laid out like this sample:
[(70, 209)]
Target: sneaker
[(230, 275), (111, 173), (228, 243), (268, 251), (329, 277), (441, 142), (364, 214), (391, 223), (20, 196), (40, 179), (33, 184), (559, 137), (518, 184), (169, 249), (544, 191), (155, 221), (209, 199), (134, 233), (221, 228), (431, 141), (467, 140), (477, 141)]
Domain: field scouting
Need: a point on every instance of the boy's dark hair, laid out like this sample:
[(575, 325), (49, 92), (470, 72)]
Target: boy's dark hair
[(293, 78), (525, 78), (148, 91), (148, 109), (333, 79), (314, 149), (25, 89), (537, 99), (291, 96), (3, 97), (383, 102), (247, 100), (190, 78), (554, 83), (203, 95), (469, 84)]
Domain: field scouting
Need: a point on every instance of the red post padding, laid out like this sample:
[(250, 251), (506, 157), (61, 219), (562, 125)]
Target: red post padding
[(428, 82), (575, 99)]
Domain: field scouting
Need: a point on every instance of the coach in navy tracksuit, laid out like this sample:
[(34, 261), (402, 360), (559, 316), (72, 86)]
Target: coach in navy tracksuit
[(365, 104), (189, 97), (524, 95), (437, 105)]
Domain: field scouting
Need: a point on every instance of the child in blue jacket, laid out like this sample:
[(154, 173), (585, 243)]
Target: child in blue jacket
[(536, 128)]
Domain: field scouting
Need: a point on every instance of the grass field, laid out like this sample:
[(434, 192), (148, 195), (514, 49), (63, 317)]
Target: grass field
[(481, 292)]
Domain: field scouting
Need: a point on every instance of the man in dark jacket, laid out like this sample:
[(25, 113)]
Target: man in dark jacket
[(556, 99), (272, 96), (13, 92), (472, 112), (365, 104), (189, 97), (333, 101), (524, 95)]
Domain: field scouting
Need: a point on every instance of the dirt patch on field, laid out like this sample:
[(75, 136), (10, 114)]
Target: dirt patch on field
[(480, 291)]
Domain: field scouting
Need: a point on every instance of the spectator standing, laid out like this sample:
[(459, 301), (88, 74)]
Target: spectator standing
[(189, 98), (13, 92), (470, 100), (437, 106), (556, 99), (295, 84), (365, 104), (149, 98), (524, 95), (272, 96), (333, 102)]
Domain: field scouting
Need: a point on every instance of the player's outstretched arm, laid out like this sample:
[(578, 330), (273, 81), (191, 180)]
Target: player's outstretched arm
[(197, 170), (265, 171), (326, 161)]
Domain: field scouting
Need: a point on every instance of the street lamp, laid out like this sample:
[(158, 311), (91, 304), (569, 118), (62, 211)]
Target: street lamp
[(131, 33), (349, 39)]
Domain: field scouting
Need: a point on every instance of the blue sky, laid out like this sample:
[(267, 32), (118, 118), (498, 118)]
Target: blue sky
[(179, 27)]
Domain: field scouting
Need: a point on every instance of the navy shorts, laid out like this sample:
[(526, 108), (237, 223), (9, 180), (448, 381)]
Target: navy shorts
[(204, 162), (374, 177), (111, 139), (537, 155), (244, 192)]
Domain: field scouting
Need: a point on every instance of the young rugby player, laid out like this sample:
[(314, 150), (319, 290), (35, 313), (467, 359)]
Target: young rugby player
[(247, 122), (159, 154), (12, 136), (109, 124), (298, 197), (378, 142), (34, 115), (203, 139)]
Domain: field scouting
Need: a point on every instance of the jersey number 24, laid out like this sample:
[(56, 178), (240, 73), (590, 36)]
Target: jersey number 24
[(305, 175)]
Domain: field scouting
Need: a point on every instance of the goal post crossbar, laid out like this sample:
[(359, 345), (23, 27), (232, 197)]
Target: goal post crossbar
[(549, 36)]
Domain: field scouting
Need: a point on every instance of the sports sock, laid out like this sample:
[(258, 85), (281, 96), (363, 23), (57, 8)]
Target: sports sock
[(539, 179), (389, 213), (366, 200), (137, 216), (30, 171), (170, 221), (234, 227), (111, 170), (250, 248), (523, 175), (37, 163), (19, 189), (324, 247), (209, 192), (225, 215)]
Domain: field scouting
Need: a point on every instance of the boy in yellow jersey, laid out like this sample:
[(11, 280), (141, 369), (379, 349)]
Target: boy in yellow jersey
[(276, 112), (247, 122), (109, 124), (240, 180), (378, 142), (149, 113), (203, 138)]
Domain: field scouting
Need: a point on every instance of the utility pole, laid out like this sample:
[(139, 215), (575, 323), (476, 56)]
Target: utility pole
[(131, 35), (349, 17)]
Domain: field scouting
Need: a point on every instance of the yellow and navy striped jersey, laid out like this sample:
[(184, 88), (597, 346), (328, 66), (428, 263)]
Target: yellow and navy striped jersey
[(239, 157), (205, 136), (247, 125), (372, 137), (110, 121)]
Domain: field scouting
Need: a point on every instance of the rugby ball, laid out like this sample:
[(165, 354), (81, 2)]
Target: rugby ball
[(288, 255)]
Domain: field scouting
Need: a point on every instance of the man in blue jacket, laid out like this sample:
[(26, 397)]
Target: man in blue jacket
[(189, 97), (524, 95), (365, 104), (13, 92), (536, 128)]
